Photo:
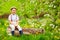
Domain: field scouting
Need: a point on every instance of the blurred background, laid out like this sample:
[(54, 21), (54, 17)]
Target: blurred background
[(33, 14)]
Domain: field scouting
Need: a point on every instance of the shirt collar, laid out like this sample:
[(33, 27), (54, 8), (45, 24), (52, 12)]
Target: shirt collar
[(13, 14)]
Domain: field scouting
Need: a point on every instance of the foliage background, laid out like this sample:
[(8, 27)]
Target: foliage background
[(27, 9)]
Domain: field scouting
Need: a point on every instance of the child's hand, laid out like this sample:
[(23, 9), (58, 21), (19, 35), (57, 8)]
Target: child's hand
[(16, 24)]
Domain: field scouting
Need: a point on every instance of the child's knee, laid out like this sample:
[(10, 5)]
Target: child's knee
[(12, 27), (19, 28)]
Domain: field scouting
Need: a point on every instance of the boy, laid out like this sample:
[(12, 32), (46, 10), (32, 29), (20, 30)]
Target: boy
[(14, 21)]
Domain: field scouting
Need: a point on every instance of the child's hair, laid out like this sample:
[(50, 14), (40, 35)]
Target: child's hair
[(13, 8)]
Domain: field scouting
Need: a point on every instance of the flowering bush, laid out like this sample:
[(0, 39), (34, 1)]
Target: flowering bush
[(46, 13)]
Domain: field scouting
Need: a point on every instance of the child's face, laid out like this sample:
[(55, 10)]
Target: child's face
[(13, 11)]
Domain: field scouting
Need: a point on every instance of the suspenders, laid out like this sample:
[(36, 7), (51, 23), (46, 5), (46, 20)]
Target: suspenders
[(11, 17)]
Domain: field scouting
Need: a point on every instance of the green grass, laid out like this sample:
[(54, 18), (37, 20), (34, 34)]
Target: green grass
[(48, 35)]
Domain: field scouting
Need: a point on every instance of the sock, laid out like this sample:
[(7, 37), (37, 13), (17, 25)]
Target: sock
[(12, 32), (21, 32)]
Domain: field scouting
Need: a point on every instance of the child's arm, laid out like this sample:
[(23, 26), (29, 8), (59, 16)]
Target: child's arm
[(17, 22), (10, 22), (9, 18)]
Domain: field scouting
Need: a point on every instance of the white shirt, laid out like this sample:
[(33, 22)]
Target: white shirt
[(13, 18)]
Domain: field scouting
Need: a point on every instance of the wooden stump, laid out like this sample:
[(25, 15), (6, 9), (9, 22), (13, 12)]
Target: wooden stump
[(16, 32), (26, 31), (33, 30)]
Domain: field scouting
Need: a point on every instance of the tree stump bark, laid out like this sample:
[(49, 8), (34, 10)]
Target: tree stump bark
[(26, 31)]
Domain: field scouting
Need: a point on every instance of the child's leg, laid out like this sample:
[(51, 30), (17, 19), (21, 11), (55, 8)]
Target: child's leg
[(20, 29), (12, 29)]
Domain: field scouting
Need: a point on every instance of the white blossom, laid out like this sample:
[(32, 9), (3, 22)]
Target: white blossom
[(46, 15), (54, 6), (43, 24), (51, 5), (52, 25)]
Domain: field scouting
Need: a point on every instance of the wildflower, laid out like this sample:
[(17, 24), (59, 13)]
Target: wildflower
[(46, 15), (51, 5), (43, 24), (54, 6), (52, 25), (46, 2)]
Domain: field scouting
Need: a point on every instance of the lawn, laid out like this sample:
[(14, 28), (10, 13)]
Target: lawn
[(52, 34)]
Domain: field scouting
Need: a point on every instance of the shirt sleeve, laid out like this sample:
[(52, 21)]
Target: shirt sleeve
[(9, 17)]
